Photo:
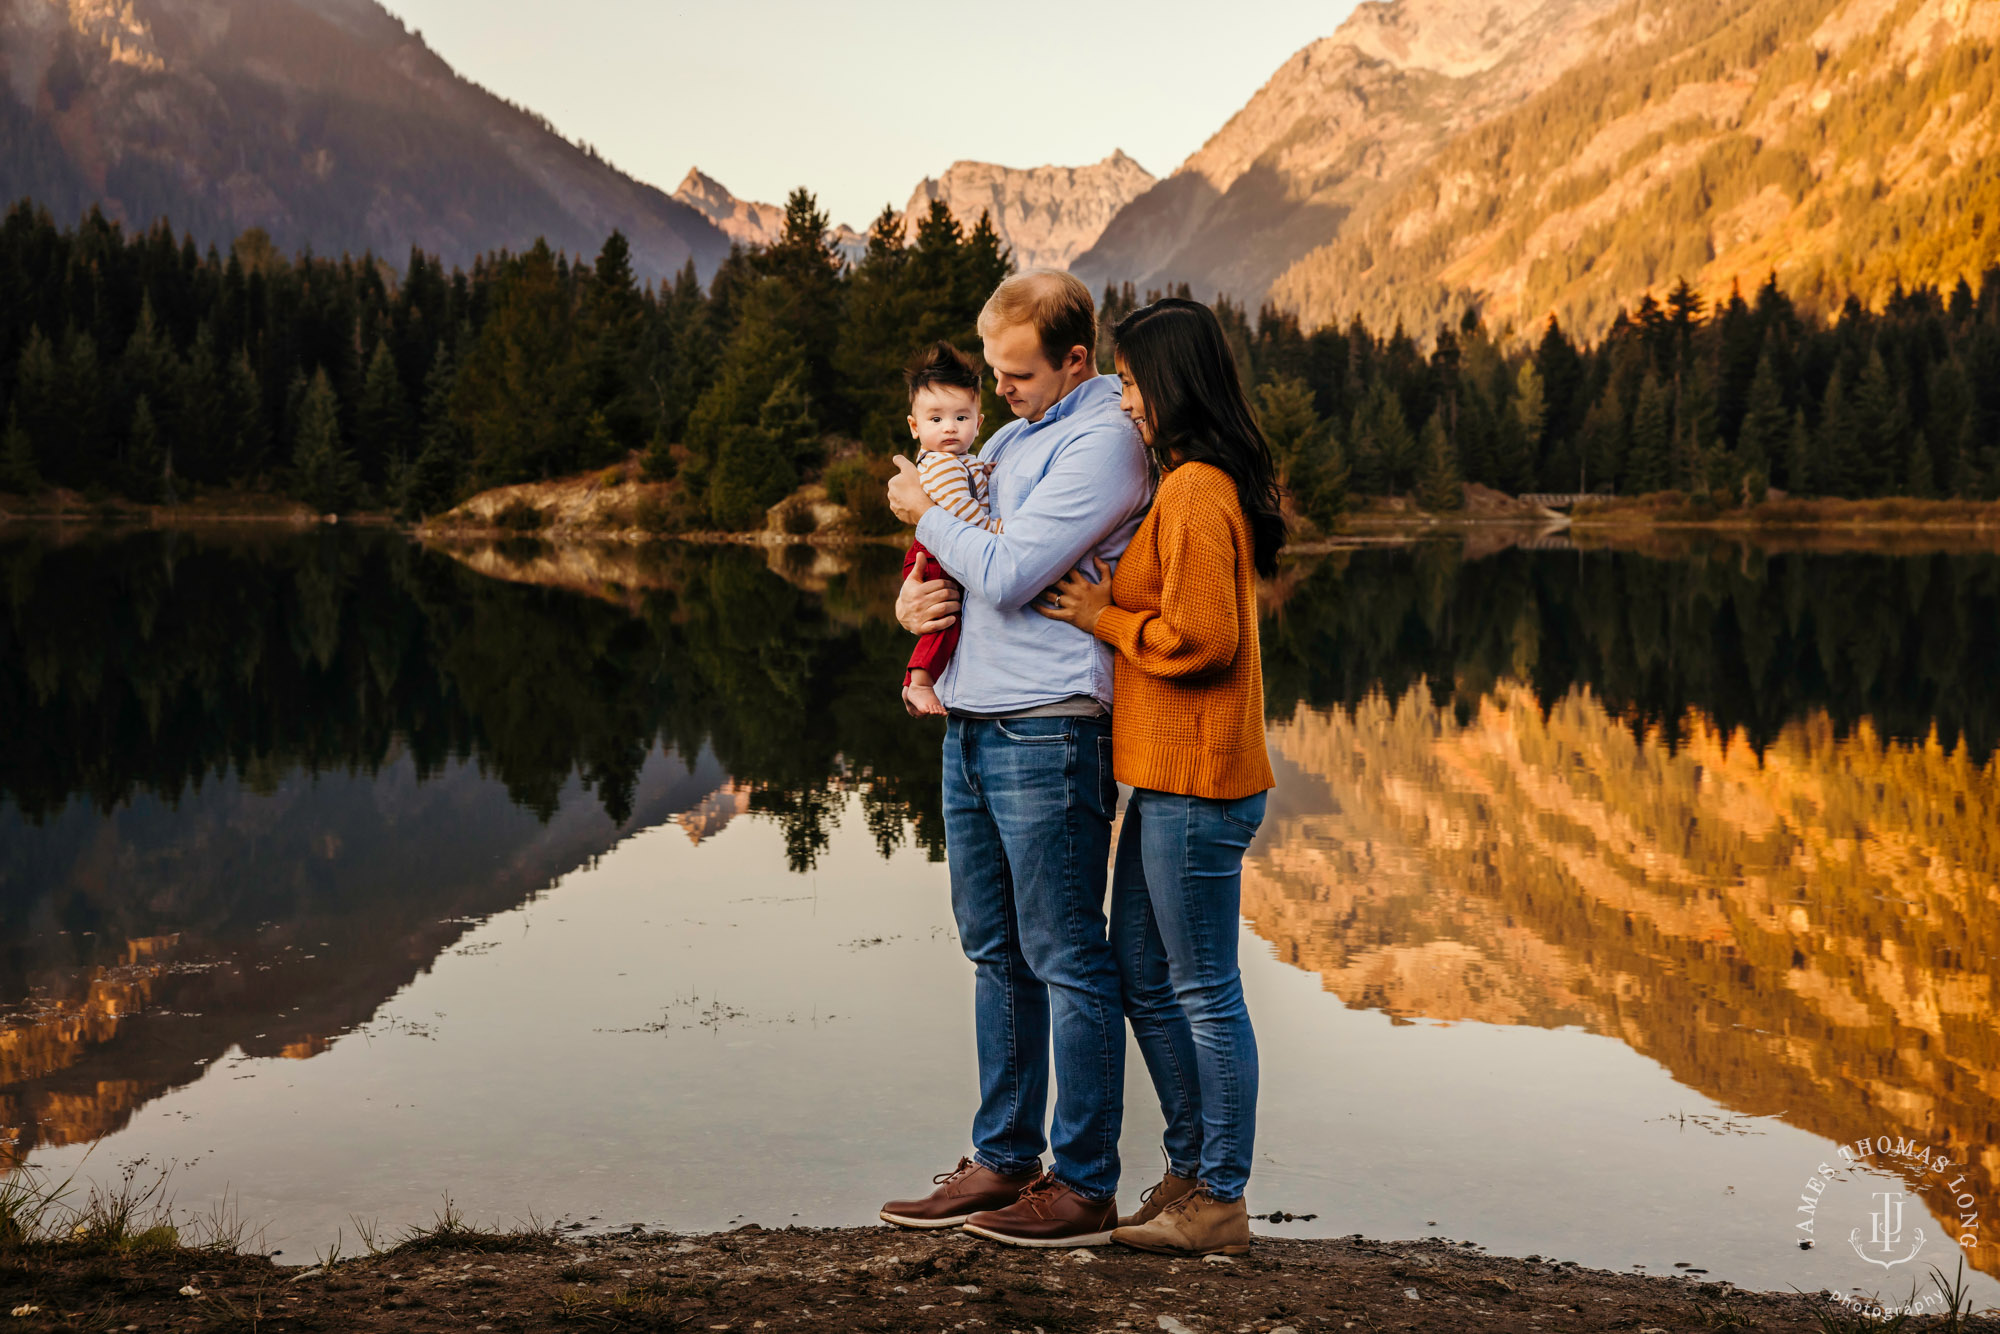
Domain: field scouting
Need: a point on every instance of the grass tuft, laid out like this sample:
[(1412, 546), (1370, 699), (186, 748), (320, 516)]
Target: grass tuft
[(449, 1231)]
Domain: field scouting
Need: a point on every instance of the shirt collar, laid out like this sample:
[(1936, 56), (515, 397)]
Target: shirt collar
[(1071, 401)]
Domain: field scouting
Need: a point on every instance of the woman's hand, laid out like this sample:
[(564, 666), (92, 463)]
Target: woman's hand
[(1079, 601)]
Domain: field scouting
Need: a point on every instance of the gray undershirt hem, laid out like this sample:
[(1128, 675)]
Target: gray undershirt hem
[(1076, 706)]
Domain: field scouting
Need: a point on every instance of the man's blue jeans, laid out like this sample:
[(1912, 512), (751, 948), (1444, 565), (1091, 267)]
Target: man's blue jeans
[(1176, 897), (1027, 820)]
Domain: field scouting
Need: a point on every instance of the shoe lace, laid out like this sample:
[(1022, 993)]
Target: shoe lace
[(1189, 1201), (1146, 1197), (1041, 1193), (964, 1165)]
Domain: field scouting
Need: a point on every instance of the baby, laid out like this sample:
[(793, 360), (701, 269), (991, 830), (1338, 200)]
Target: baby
[(944, 421)]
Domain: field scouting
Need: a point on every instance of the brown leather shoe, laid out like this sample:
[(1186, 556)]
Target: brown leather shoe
[(1157, 1197), (1048, 1214), (961, 1193), (1195, 1224)]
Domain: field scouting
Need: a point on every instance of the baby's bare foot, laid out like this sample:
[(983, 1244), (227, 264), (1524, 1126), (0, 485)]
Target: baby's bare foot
[(922, 701)]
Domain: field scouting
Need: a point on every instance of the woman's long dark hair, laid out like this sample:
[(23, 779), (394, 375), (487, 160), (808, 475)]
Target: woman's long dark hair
[(1175, 352)]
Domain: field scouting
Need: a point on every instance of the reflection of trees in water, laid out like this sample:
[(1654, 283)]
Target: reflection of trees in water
[(1751, 641), (1811, 929), (154, 663)]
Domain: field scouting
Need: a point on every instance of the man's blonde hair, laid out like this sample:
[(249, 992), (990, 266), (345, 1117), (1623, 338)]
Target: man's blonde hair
[(1056, 304)]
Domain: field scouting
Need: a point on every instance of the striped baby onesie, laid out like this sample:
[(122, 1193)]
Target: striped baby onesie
[(957, 482)]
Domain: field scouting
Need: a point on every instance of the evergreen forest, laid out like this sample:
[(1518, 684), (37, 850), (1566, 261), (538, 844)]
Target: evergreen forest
[(146, 368)]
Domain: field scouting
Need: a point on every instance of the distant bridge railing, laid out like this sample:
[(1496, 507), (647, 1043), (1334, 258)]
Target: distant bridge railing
[(1553, 501)]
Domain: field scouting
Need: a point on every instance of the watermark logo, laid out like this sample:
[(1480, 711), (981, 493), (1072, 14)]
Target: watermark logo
[(1880, 1196), (1886, 1233)]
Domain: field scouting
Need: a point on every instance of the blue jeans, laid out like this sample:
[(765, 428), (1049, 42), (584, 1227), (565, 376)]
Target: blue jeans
[(1175, 903), (1027, 821)]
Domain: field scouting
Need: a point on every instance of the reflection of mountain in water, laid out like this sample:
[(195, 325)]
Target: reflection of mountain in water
[(1813, 932), (293, 916), (252, 785)]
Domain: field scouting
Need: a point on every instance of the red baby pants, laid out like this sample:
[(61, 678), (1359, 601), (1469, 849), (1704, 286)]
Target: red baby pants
[(933, 650)]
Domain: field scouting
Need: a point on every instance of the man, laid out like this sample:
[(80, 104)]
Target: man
[(1028, 792)]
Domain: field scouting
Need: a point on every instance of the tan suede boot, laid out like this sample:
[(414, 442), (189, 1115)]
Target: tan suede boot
[(1195, 1224), (1157, 1197)]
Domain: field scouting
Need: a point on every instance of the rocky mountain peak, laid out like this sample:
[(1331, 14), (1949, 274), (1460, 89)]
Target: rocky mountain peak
[(1455, 38), (1339, 122), (743, 221), (1048, 215)]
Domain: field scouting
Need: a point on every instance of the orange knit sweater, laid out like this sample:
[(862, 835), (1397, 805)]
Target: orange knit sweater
[(1188, 704)]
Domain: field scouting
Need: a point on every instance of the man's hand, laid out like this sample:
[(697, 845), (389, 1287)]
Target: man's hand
[(907, 496), (925, 606)]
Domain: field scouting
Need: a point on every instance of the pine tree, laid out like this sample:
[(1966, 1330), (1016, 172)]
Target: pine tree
[(19, 472), (38, 394), (80, 439), (1561, 372), (1767, 427), (249, 430), (610, 334), (1838, 463), (983, 263), (1799, 478), (149, 367), (381, 421), (431, 482), (1921, 480), (1646, 462), (521, 394), (1881, 424), (323, 473), (148, 467), (687, 335), (754, 465), (1439, 486), (763, 356), (1319, 489), (1310, 461), (808, 270), (1602, 444), (1694, 429), (1381, 435), (1287, 417)]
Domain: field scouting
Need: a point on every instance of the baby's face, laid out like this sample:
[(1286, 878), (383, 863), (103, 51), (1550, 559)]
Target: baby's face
[(945, 418)]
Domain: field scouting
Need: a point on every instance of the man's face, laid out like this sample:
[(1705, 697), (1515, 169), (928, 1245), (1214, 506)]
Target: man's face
[(1022, 373), (944, 417)]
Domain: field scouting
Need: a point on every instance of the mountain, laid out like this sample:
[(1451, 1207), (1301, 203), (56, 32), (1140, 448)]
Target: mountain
[(741, 220), (1566, 157), (1846, 145), (1335, 128), (324, 122), (748, 223), (1049, 215)]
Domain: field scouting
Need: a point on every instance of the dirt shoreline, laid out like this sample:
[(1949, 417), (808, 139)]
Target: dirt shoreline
[(878, 1279)]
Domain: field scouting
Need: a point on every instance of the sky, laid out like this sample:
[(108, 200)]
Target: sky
[(860, 101)]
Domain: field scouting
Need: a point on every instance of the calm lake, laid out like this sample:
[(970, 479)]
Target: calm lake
[(1603, 898)]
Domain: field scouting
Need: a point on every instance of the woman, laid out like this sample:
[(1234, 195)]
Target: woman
[(1187, 734)]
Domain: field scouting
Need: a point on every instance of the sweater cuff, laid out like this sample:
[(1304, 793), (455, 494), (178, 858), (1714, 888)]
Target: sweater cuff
[(1115, 625)]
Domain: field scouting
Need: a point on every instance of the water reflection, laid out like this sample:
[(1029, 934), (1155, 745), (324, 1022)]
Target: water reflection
[(1733, 809), (1807, 932)]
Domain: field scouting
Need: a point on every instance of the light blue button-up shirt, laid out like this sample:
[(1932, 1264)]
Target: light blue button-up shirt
[(1072, 483)]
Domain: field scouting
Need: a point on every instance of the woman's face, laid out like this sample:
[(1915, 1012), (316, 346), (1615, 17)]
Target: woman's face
[(1131, 404)]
